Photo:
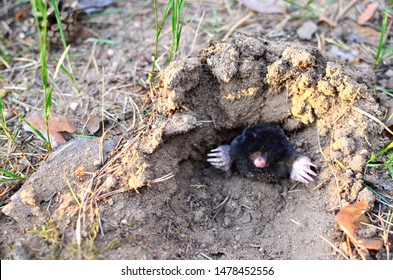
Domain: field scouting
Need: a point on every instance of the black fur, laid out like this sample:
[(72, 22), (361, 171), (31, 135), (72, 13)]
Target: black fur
[(271, 141)]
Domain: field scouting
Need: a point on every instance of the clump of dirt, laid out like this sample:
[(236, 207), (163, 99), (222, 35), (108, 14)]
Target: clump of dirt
[(194, 211), (205, 101)]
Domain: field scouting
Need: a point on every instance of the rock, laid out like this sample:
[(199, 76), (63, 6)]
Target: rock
[(19, 252), (306, 31), (51, 181)]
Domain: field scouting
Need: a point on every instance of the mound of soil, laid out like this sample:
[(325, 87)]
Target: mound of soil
[(184, 208)]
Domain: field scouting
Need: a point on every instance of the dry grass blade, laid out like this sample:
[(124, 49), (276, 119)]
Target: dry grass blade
[(237, 24), (323, 238), (162, 179), (373, 118), (205, 256), (196, 32), (334, 247), (326, 159)]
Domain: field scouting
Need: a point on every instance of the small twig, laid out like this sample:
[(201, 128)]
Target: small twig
[(379, 228), (237, 24), (373, 118), (296, 223), (349, 248), (205, 256), (196, 32), (219, 207), (199, 186), (334, 247), (320, 184), (294, 186), (222, 203), (344, 10), (327, 161), (162, 179)]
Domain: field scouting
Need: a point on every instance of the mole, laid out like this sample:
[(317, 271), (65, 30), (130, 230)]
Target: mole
[(262, 152)]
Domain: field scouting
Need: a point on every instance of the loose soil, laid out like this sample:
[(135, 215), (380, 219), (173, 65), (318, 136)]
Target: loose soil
[(154, 196)]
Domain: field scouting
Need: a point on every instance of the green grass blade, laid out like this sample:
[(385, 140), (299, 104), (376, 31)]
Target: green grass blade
[(43, 41), (374, 157), (72, 192), (10, 176), (373, 164), (388, 92), (377, 194), (292, 3), (105, 41), (159, 27), (69, 75), (59, 23), (9, 173), (3, 120), (378, 58)]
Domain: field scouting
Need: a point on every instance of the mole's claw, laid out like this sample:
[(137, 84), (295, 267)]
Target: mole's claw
[(309, 171), (214, 160), (301, 170), (302, 180), (305, 175), (220, 158), (214, 154)]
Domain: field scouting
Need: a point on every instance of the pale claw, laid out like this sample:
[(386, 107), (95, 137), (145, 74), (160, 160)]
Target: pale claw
[(301, 170), (220, 158)]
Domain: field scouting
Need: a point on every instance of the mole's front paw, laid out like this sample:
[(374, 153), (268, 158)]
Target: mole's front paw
[(301, 170), (220, 158)]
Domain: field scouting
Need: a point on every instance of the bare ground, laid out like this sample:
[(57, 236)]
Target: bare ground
[(156, 197)]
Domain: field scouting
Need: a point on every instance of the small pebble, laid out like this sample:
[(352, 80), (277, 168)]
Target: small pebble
[(21, 35), (389, 73), (8, 115), (19, 252), (306, 31), (110, 53), (73, 105)]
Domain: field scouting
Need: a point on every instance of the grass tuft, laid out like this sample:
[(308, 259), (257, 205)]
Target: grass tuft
[(176, 7), (388, 162), (49, 234)]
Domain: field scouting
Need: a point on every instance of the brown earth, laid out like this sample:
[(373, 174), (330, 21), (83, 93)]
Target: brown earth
[(162, 200)]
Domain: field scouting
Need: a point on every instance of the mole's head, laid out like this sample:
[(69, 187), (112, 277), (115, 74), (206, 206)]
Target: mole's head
[(258, 159)]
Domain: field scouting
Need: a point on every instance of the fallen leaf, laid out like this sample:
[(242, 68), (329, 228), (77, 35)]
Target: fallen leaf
[(93, 124), (329, 21), (56, 124), (21, 15), (266, 6), (375, 243), (352, 221), (368, 13)]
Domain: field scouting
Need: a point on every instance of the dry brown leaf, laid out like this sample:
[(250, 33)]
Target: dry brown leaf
[(350, 216), (351, 219), (266, 6), (93, 124), (329, 21), (368, 13), (21, 15), (56, 124)]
